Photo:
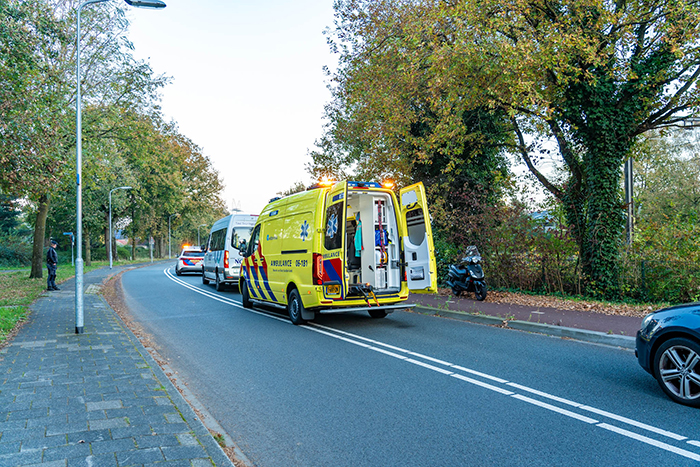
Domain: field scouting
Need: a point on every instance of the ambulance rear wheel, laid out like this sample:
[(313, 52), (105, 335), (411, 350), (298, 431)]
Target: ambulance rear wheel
[(294, 307), (245, 295), (376, 314), (205, 281)]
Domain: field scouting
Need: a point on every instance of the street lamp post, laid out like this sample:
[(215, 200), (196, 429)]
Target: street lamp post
[(152, 4), (198, 242), (110, 220), (170, 217)]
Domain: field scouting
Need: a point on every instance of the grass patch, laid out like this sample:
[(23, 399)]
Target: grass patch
[(10, 316)]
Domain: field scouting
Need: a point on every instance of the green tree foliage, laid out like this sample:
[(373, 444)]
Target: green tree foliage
[(125, 141), (580, 79), (385, 121)]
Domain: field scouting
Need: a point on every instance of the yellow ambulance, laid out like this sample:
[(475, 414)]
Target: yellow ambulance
[(340, 247)]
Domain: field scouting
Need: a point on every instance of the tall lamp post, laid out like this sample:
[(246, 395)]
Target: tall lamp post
[(170, 217), (110, 220), (151, 4), (200, 225)]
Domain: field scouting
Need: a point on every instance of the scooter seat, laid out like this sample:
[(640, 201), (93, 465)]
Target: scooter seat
[(459, 270)]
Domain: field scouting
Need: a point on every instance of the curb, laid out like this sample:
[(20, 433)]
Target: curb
[(217, 454), (595, 337)]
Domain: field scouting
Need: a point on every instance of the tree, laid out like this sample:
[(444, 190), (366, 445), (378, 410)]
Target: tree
[(580, 79)]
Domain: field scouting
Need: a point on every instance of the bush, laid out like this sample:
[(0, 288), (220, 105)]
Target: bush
[(15, 252)]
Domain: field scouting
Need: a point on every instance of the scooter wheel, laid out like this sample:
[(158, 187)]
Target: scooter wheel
[(456, 292), (480, 291)]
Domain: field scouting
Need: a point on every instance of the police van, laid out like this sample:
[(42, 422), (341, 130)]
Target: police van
[(222, 261), (338, 247)]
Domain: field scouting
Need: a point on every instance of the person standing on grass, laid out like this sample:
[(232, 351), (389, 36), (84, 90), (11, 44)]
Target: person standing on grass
[(52, 266)]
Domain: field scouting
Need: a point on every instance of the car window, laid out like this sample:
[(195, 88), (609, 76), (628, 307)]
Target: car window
[(193, 254), (218, 240), (240, 234)]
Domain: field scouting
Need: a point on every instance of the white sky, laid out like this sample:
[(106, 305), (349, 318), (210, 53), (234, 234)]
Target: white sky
[(248, 85)]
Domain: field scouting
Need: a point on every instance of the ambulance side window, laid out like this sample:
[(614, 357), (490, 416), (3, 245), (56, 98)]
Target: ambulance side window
[(334, 226), (415, 222), (254, 240)]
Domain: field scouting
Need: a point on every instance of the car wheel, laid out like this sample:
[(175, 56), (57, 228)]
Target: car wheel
[(376, 314), (177, 271), (205, 281), (295, 307), (219, 284), (677, 369), (245, 295), (480, 291)]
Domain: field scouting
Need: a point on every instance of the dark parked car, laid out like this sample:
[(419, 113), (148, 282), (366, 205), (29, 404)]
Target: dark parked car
[(668, 347)]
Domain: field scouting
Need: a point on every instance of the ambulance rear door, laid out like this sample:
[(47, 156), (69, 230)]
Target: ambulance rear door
[(333, 248), (418, 249)]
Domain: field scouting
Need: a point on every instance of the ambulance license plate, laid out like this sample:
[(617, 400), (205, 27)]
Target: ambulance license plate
[(333, 289)]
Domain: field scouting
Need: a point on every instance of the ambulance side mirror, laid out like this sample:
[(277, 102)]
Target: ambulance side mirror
[(243, 248)]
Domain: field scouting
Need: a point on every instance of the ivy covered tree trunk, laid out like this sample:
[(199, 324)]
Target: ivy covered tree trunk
[(604, 221), (39, 238)]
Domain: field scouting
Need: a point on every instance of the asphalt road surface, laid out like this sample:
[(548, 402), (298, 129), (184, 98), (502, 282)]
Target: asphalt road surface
[(406, 390)]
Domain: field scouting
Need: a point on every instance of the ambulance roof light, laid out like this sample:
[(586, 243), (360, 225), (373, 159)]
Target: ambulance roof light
[(388, 184), (326, 181)]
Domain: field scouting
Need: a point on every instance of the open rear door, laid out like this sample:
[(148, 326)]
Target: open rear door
[(418, 249), (333, 275)]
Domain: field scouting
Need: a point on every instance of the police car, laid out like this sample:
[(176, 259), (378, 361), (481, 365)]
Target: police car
[(190, 260)]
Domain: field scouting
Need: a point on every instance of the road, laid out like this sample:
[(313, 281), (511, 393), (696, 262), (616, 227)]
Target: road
[(407, 390)]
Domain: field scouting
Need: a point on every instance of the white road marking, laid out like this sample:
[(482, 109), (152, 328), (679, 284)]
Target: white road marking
[(634, 423), (396, 352), (652, 442), (554, 408), (483, 385), (544, 394)]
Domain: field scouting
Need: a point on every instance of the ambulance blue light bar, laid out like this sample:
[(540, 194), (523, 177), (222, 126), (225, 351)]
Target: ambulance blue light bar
[(364, 185)]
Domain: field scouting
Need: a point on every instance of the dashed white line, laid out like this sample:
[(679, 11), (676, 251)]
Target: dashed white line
[(652, 442)]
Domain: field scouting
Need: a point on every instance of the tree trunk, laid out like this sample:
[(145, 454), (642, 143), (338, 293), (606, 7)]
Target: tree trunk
[(88, 255), (39, 238)]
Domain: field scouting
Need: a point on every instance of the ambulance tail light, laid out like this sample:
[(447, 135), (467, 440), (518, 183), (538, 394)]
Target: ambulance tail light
[(317, 269), (225, 259)]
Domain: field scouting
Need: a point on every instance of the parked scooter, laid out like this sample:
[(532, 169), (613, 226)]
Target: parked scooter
[(468, 275)]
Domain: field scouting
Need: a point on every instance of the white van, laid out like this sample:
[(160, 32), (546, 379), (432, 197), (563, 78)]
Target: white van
[(222, 261)]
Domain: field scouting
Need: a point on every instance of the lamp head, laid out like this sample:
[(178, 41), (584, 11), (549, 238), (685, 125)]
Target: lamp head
[(149, 4)]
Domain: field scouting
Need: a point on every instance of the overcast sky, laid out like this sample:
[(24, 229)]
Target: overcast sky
[(248, 85)]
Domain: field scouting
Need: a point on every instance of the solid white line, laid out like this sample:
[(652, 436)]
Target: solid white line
[(482, 384), (634, 423), (216, 297), (478, 373), (554, 408), (652, 442), (544, 394), (430, 367)]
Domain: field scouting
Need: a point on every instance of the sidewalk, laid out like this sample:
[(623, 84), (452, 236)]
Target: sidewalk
[(593, 327), (95, 399)]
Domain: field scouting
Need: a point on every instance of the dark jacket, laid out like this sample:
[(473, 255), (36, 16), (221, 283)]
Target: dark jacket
[(51, 256)]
